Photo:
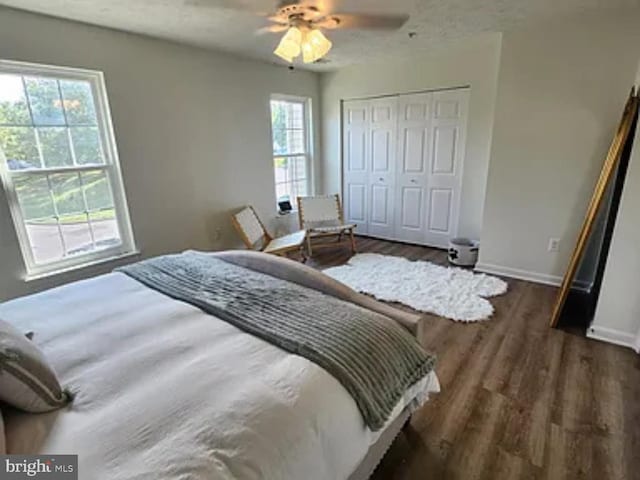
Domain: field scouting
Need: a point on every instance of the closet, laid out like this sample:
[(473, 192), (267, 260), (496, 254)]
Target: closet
[(402, 165)]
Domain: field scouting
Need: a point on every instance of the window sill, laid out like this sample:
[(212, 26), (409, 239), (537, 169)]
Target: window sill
[(39, 276)]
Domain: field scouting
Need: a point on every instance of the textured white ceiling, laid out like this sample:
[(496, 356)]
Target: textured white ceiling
[(228, 24)]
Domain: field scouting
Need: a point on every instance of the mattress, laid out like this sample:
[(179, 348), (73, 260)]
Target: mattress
[(165, 391)]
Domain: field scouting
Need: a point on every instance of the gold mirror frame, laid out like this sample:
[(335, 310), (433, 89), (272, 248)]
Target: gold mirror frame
[(608, 170)]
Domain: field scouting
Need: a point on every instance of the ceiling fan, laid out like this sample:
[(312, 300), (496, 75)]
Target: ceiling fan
[(303, 22)]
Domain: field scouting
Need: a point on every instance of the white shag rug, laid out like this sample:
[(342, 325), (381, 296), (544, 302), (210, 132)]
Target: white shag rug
[(453, 293)]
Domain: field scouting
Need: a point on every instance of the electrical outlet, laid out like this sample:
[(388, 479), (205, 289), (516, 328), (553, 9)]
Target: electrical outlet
[(554, 244)]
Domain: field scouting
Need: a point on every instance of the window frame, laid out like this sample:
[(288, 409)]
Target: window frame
[(111, 168), (308, 142)]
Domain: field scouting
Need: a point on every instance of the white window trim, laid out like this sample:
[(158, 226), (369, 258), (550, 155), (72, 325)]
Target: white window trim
[(308, 141), (111, 166)]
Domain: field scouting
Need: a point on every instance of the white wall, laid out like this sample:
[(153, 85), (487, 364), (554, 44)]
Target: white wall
[(561, 89), (473, 62), (617, 317), (192, 129)]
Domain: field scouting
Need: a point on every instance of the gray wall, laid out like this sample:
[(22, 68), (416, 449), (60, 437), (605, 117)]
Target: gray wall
[(473, 62), (618, 314), (192, 129), (561, 89)]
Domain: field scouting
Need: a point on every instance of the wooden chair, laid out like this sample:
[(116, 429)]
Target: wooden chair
[(256, 237), (322, 217)]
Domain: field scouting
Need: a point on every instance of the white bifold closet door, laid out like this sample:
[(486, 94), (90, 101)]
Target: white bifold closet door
[(403, 159), (414, 146), (382, 173), (370, 132), (356, 164)]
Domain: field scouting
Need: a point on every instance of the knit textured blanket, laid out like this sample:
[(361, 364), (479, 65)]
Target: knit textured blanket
[(374, 358)]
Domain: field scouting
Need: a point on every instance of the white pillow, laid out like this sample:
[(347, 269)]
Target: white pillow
[(27, 382)]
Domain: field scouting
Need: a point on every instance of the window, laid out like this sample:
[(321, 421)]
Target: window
[(59, 167), (290, 122)]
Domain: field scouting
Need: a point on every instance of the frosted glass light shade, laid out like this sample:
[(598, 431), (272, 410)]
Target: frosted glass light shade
[(315, 46), (308, 55), (289, 46)]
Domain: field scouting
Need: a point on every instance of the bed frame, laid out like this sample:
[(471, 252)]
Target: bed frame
[(378, 450)]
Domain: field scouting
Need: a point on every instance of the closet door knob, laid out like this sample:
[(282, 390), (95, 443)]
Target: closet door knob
[(413, 180), (381, 179)]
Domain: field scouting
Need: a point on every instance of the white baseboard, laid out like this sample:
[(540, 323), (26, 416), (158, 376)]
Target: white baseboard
[(519, 274), (616, 337), (534, 277)]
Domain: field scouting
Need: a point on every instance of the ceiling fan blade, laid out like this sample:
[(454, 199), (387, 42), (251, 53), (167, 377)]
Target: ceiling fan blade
[(325, 6), (363, 21), (276, 18), (272, 29)]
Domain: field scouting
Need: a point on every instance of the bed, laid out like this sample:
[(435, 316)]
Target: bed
[(163, 390)]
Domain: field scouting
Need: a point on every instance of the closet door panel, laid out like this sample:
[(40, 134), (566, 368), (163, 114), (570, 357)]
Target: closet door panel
[(380, 214), (440, 210), (381, 157), (414, 137), (356, 203), (355, 145), (444, 149), (414, 140), (382, 153), (445, 166), (411, 213)]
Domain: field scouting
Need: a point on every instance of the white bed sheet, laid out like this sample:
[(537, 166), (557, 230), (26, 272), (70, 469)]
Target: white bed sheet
[(165, 391)]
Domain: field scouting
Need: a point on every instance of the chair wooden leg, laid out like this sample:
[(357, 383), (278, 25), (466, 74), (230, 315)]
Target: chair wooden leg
[(309, 248), (353, 241)]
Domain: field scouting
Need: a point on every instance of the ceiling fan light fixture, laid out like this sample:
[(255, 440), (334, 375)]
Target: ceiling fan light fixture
[(289, 46)]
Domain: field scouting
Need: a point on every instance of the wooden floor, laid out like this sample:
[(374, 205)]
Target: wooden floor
[(519, 400)]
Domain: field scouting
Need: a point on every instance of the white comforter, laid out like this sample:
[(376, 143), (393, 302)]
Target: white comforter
[(165, 391)]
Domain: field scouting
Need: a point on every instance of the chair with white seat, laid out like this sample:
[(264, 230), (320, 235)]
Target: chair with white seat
[(256, 237), (322, 217)]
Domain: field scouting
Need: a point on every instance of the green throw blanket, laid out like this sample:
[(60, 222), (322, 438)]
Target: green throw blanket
[(374, 358)]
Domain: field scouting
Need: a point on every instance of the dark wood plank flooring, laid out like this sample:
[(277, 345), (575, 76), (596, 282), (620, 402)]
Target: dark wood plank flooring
[(519, 400)]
